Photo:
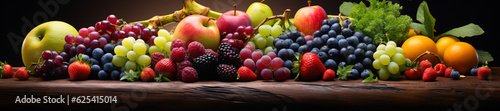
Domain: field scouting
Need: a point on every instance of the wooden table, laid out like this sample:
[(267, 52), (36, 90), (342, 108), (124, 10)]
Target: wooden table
[(469, 93)]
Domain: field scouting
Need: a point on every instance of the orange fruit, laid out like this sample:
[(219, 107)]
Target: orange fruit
[(443, 43), (461, 56), (412, 33), (416, 45)]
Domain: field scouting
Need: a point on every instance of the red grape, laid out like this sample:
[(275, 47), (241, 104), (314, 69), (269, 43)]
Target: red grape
[(154, 32), (131, 34), (80, 49), (136, 29), (122, 34), (236, 35), (112, 19), (127, 28), (86, 42), (266, 60), (67, 47), (276, 63), (91, 28), (256, 55), (266, 74), (98, 26), (249, 63), (105, 25), (260, 65), (145, 34), (58, 60), (250, 46), (245, 53), (102, 42), (271, 54), (83, 32), (94, 44), (152, 40), (248, 30), (69, 38), (94, 35), (281, 74), (54, 54), (47, 54), (140, 25), (78, 40), (229, 36)]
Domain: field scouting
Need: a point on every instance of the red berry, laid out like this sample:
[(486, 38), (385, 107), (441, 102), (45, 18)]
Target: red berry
[(246, 74), (329, 75), (181, 66), (7, 71), (178, 54), (413, 74), (211, 52), (448, 72), (166, 67), (425, 64), (22, 74), (148, 75), (483, 73), (440, 68), (196, 49), (189, 74), (155, 57), (429, 75), (177, 43)]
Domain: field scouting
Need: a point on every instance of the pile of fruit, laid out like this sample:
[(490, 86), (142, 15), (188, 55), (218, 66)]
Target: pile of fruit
[(252, 45)]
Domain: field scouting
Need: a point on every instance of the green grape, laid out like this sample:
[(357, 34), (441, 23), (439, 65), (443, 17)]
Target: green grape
[(140, 48), (391, 43), (128, 43), (163, 33), (390, 50), (144, 60), (118, 61), (140, 41), (131, 55), (153, 49), (130, 65), (276, 30), (261, 42), (268, 49), (160, 42), (398, 58), (384, 73), (400, 50), (269, 41), (376, 64), (121, 51), (385, 59), (265, 30), (381, 47), (393, 68), (167, 47), (378, 53)]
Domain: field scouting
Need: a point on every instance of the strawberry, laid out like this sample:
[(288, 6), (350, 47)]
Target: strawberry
[(425, 64), (329, 75), (483, 72), (167, 67), (7, 70), (448, 72), (147, 74), (22, 74), (413, 74), (440, 68), (79, 69), (429, 75), (245, 74), (311, 68)]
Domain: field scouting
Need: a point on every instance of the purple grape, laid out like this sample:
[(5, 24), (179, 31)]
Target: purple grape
[(249, 63), (107, 37), (94, 44), (266, 74), (48, 65), (86, 42), (72, 51), (276, 63), (102, 41), (64, 55), (67, 47), (78, 40), (80, 49), (58, 60), (47, 55), (54, 54), (69, 38)]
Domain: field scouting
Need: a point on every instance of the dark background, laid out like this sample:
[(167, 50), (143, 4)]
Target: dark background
[(83, 13)]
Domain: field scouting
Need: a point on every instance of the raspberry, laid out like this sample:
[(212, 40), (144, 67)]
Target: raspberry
[(177, 54), (207, 51), (181, 66), (196, 49), (155, 57), (177, 43), (189, 74)]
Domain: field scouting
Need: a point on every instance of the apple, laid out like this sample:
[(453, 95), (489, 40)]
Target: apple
[(258, 12), (230, 20), (46, 36), (308, 19), (198, 28)]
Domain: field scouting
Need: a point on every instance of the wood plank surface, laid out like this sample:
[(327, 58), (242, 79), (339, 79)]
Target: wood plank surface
[(469, 93)]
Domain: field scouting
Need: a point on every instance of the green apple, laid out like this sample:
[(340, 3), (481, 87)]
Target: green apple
[(46, 36), (258, 12)]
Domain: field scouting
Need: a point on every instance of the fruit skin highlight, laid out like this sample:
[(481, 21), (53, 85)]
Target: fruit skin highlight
[(461, 56), (416, 45), (52, 34)]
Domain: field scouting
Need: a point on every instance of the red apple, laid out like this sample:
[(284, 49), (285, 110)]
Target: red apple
[(308, 19), (229, 21), (198, 28)]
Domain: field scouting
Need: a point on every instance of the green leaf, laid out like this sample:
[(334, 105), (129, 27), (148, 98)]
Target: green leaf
[(130, 76), (370, 78), (346, 8), (468, 30), (425, 17), (343, 72), (484, 56)]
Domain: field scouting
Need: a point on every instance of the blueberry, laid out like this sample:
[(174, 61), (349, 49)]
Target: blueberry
[(359, 53), (342, 43), (342, 64), (369, 54), (346, 32), (324, 22), (367, 62), (276, 40), (103, 75), (87, 58), (301, 40), (108, 67), (310, 44), (283, 36), (455, 75), (331, 64), (332, 43), (340, 37), (333, 53), (109, 48), (351, 59), (333, 20), (362, 46), (473, 71), (353, 40), (317, 33), (115, 75), (350, 49), (288, 42), (106, 58), (88, 51), (354, 74), (280, 44), (283, 54), (295, 47), (344, 53), (346, 23), (294, 35), (303, 49), (291, 55), (94, 70), (322, 56), (121, 75), (317, 42), (288, 64), (371, 47), (97, 53), (358, 66), (324, 37), (359, 35), (324, 49), (315, 50), (324, 29), (336, 27), (367, 40), (94, 61), (365, 74), (332, 33)]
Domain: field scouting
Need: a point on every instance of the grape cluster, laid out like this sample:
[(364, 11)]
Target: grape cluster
[(130, 54), (264, 39), (238, 38), (389, 60), (52, 66)]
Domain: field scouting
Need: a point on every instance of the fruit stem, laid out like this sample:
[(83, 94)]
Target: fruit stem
[(309, 2), (209, 18), (262, 1), (234, 10)]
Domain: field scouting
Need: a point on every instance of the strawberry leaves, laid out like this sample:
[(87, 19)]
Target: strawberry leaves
[(343, 72), (161, 78), (370, 78), (130, 76)]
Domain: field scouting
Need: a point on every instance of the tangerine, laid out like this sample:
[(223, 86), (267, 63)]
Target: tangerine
[(461, 56), (416, 45)]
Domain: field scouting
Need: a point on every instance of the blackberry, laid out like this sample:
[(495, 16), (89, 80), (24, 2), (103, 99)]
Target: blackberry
[(229, 55), (227, 73), (206, 65)]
